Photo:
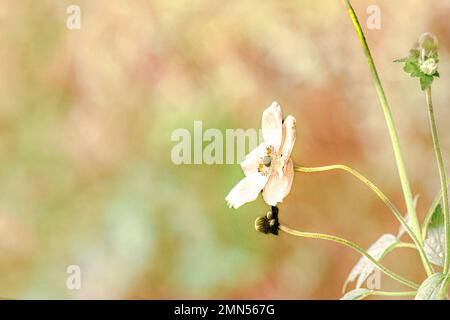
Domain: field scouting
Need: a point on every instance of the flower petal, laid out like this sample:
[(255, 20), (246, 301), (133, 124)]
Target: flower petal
[(289, 136), (272, 125), (252, 160), (246, 190), (277, 188)]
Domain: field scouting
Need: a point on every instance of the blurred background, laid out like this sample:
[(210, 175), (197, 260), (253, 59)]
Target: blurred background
[(86, 116)]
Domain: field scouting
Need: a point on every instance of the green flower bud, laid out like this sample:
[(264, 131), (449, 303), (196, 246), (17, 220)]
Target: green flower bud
[(429, 66), (429, 43)]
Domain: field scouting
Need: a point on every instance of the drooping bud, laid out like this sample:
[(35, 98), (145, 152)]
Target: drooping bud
[(274, 225), (262, 225)]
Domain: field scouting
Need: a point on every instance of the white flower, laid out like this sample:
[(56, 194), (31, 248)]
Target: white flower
[(268, 168), (429, 66)]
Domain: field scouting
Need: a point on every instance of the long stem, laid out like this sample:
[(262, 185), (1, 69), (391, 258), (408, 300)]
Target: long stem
[(353, 246), (393, 294), (383, 197), (390, 124), (442, 175)]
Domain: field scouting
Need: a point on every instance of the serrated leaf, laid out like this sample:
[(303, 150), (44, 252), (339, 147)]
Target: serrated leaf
[(401, 59), (356, 294), (435, 246), (431, 288), (412, 68), (435, 240), (365, 267)]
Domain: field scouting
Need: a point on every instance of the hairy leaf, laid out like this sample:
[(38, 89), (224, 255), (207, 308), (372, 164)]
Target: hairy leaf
[(365, 267), (433, 288), (435, 241), (356, 294)]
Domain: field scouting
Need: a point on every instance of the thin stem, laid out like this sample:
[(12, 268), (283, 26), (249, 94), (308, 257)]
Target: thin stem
[(353, 246), (442, 175), (390, 124), (396, 245), (406, 245), (383, 197), (393, 294)]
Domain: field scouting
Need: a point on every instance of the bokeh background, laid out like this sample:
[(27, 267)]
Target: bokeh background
[(86, 117)]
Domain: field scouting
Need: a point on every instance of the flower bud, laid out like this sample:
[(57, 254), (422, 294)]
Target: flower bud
[(429, 66), (262, 225), (429, 43), (274, 225)]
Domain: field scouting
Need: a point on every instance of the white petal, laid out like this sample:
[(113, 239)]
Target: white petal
[(252, 160), (246, 190), (272, 125), (277, 188), (289, 135)]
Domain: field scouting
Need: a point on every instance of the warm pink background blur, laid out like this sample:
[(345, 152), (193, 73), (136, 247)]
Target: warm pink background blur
[(85, 122)]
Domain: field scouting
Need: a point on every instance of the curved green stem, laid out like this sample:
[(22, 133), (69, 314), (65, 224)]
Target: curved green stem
[(390, 124), (353, 246), (406, 245), (383, 197), (442, 175), (396, 245)]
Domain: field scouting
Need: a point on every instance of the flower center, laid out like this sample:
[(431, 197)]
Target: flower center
[(267, 160), (269, 163)]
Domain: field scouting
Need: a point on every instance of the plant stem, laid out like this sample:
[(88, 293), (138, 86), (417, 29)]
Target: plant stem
[(406, 245), (390, 124), (355, 247), (383, 197), (393, 294), (442, 175)]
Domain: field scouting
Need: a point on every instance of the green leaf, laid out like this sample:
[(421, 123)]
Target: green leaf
[(412, 68), (425, 81), (433, 288), (357, 294), (401, 59), (437, 219)]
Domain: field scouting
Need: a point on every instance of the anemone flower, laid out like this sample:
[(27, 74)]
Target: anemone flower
[(268, 168)]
